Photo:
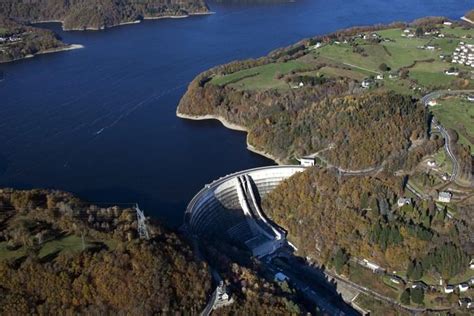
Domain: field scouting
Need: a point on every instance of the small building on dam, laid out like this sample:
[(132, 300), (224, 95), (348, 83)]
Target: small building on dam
[(229, 209)]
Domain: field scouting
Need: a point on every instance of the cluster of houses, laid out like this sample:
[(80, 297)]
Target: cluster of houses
[(11, 39), (464, 55)]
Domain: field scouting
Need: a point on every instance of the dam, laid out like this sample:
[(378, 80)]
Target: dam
[(228, 209)]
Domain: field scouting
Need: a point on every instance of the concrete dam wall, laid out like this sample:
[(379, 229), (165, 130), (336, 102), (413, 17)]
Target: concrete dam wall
[(228, 209)]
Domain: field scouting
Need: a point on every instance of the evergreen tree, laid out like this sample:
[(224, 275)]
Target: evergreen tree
[(417, 295), (340, 259), (405, 297)]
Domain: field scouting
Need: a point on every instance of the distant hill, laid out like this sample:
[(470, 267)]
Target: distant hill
[(97, 14)]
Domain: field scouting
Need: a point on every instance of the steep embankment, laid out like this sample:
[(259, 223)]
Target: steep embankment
[(98, 14)]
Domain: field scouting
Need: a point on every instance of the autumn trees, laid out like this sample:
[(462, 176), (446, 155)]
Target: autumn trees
[(113, 273), (96, 14), (330, 218)]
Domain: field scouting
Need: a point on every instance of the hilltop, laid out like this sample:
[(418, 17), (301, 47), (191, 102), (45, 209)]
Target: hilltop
[(59, 253), (98, 14)]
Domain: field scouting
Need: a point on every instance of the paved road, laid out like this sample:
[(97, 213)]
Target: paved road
[(448, 149), (447, 139)]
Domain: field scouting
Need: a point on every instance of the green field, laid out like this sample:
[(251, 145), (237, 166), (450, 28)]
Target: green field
[(426, 68), (261, 77), (457, 113), (69, 243), (443, 162)]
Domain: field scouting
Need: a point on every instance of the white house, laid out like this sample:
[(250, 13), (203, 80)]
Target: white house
[(452, 72), (445, 196), (448, 289), (379, 77), (431, 163), (372, 266), (396, 279), (403, 201), (307, 161), (470, 98), (471, 264), (463, 287), (447, 23), (432, 102), (366, 83)]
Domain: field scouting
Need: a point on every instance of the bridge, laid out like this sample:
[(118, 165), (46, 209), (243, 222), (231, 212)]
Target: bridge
[(229, 209)]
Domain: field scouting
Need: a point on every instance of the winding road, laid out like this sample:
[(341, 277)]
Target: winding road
[(447, 139)]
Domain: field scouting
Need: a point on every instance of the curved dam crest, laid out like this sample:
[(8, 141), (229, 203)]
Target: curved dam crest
[(229, 208)]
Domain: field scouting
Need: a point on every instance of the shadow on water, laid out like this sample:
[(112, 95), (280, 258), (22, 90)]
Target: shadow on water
[(3, 164)]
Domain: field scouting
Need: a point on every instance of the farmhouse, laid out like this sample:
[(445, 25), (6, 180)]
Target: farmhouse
[(463, 287), (431, 163), (453, 72), (403, 201), (445, 197), (367, 83), (307, 161), (432, 102), (448, 289)]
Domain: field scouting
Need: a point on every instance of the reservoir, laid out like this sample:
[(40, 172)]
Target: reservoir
[(100, 121)]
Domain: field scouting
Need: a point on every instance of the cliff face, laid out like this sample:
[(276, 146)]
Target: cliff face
[(97, 14)]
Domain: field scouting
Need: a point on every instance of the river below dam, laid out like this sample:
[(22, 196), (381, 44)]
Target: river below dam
[(100, 121)]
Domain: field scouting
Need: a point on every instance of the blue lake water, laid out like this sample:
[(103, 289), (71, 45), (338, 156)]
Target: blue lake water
[(100, 121)]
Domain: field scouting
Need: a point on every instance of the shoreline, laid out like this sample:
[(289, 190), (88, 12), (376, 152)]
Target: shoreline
[(233, 127), (147, 18), (48, 51)]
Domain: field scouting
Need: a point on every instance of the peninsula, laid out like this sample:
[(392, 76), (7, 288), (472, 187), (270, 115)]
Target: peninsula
[(18, 41), (381, 116)]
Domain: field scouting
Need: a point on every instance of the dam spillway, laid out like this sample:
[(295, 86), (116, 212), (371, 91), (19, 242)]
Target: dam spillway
[(228, 209)]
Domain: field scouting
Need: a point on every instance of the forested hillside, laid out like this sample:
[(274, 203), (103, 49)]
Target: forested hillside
[(97, 14), (58, 253), (19, 41), (46, 266), (364, 128), (325, 214)]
